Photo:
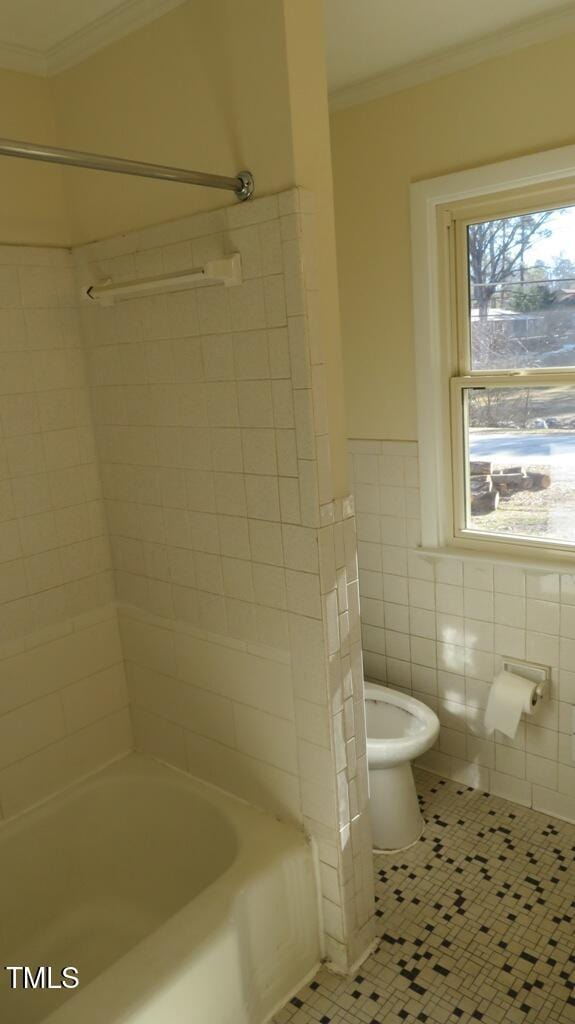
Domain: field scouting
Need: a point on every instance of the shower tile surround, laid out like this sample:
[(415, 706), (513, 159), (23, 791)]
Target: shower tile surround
[(63, 696), (440, 633), (236, 571)]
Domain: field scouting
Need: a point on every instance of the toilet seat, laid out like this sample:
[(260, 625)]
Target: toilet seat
[(412, 733)]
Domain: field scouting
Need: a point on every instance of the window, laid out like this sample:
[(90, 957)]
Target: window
[(494, 282), (513, 401)]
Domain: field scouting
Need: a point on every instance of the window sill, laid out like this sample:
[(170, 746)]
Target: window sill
[(539, 564)]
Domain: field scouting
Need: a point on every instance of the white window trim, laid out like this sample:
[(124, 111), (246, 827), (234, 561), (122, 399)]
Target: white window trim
[(431, 354)]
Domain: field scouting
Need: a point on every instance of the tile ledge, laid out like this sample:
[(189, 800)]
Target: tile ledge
[(545, 565)]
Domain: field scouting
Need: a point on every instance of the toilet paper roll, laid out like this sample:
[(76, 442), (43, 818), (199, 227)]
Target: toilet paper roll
[(509, 697)]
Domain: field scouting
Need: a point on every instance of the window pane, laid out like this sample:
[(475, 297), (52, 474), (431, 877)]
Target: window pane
[(520, 445), (522, 291)]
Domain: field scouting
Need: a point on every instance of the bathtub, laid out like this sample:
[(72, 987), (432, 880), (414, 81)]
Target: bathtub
[(174, 901)]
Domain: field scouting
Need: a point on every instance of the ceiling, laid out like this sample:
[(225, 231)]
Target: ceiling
[(394, 43), (46, 36), (373, 46), (40, 26)]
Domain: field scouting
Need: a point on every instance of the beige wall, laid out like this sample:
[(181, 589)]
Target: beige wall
[(313, 170), (203, 87), (31, 195), (517, 104)]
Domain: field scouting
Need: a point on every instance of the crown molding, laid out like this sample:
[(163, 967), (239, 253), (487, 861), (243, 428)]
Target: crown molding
[(22, 58), (456, 58), (131, 15), (128, 17)]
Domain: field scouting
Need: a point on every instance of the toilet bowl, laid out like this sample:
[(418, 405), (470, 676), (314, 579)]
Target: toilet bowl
[(399, 729)]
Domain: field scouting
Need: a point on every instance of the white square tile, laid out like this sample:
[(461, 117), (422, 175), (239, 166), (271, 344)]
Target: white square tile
[(392, 501), (542, 742), (259, 451), (418, 567), (391, 470), (368, 528), (255, 403), (450, 629), (509, 610), (262, 496), (543, 587), (269, 585), (478, 634), (543, 616), (422, 594), (567, 589), (394, 530), (422, 623), (508, 580), (567, 622), (451, 658), (510, 642), (449, 599), (542, 648), (450, 571), (510, 788), (541, 771), (234, 539), (396, 617), (567, 686), (509, 761), (222, 404), (367, 499), (266, 737), (397, 646), (424, 679), (394, 560), (478, 604), (560, 805), (477, 576), (218, 357), (303, 593), (423, 652), (371, 584), (395, 589), (300, 545)]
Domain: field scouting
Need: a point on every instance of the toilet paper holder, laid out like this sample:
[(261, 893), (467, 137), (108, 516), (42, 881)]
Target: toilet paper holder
[(540, 674)]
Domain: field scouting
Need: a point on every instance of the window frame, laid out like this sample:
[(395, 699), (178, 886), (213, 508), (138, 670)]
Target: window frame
[(441, 208)]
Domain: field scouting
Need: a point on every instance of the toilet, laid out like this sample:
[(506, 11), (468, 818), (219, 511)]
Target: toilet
[(399, 729)]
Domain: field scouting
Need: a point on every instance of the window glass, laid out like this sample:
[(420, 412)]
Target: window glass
[(520, 461), (522, 291)]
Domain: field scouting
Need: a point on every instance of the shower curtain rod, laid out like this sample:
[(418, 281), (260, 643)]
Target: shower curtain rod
[(242, 184)]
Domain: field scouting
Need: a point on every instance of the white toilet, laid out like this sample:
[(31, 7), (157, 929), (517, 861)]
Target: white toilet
[(399, 729)]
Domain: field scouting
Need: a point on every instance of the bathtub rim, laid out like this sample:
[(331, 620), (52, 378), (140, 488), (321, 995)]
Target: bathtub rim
[(251, 856)]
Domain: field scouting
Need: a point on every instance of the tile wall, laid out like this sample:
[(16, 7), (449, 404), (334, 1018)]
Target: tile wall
[(440, 633), (236, 571), (63, 694)]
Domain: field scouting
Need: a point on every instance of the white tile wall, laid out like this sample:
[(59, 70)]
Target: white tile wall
[(440, 631), (236, 572), (61, 674)]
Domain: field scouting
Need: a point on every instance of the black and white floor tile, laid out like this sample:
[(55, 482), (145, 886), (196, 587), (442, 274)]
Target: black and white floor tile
[(476, 922)]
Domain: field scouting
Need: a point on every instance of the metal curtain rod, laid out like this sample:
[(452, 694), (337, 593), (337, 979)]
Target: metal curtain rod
[(242, 184)]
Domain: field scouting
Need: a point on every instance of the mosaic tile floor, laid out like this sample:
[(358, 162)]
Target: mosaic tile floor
[(476, 923)]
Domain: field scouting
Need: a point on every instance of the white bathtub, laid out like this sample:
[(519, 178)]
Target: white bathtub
[(175, 902)]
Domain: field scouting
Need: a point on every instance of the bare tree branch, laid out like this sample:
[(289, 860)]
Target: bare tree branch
[(497, 251)]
